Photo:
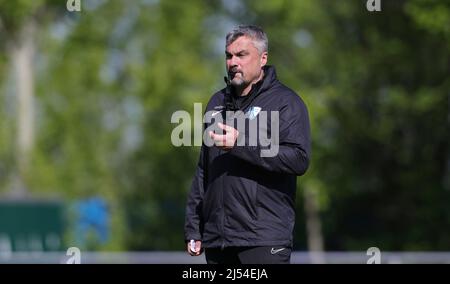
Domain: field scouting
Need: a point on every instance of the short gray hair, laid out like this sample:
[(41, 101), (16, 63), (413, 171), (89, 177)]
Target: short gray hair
[(258, 36)]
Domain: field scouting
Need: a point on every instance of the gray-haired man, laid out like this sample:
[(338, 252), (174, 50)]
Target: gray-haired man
[(241, 205)]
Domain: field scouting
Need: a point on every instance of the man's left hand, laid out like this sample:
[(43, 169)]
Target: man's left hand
[(226, 141)]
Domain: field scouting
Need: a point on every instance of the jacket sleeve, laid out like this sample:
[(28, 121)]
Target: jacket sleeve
[(294, 142), (194, 220)]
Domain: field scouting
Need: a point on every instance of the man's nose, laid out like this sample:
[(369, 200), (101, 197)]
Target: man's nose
[(233, 62)]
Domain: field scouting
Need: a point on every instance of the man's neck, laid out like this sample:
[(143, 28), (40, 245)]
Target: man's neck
[(244, 91)]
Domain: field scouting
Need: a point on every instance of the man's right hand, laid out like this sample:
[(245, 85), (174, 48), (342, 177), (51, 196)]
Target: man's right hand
[(197, 250)]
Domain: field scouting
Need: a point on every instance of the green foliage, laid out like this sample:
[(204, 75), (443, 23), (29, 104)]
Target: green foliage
[(109, 78), (159, 173), (433, 16), (376, 85), (14, 14)]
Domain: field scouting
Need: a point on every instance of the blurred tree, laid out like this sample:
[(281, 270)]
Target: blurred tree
[(114, 76), (388, 156), (81, 112), (18, 23), (178, 70), (107, 80), (374, 83)]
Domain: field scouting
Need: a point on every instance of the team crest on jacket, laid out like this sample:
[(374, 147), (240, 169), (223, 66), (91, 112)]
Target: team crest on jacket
[(253, 112)]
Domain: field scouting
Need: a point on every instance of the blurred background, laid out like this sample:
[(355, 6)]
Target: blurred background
[(86, 99)]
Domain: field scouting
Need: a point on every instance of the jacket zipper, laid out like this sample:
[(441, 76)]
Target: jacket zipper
[(222, 247)]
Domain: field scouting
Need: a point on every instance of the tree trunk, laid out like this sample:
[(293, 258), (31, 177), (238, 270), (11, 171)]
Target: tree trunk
[(21, 54), (313, 226)]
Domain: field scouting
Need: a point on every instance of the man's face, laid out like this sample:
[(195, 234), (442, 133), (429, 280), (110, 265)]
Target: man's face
[(244, 62)]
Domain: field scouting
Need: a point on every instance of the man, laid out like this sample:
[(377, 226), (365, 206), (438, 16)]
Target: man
[(241, 205)]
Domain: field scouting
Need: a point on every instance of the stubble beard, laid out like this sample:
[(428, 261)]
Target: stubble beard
[(237, 82)]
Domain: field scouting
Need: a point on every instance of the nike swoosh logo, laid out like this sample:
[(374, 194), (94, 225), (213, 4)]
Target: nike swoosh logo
[(274, 251), (216, 112)]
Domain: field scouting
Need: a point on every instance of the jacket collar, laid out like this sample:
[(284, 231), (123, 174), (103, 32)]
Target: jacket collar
[(269, 78)]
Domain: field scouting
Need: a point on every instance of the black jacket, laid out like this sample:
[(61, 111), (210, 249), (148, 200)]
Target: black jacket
[(239, 198)]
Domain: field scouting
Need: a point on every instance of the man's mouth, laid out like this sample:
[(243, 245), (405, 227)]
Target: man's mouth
[(233, 74)]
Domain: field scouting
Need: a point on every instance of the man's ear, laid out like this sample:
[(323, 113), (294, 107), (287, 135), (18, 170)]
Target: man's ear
[(264, 58)]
